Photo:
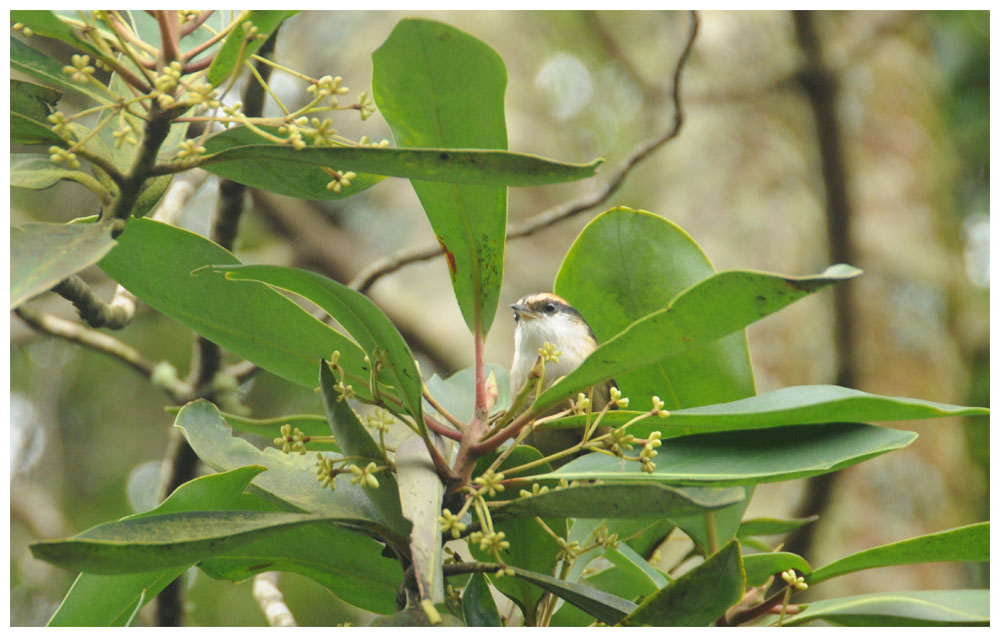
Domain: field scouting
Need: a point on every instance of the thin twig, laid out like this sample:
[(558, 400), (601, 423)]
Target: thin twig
[(191, 26), (367, 277)]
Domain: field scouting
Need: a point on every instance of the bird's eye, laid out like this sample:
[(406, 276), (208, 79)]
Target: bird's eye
[(550, 308)]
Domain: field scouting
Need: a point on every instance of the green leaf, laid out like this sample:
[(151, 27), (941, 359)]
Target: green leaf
[(24, 130), (37, 172), (421, 493), (271, 427), (349, 564), (32, 62), (478, 605), (618, 500), (531, 547), (627, 264), (109, 600), (913, 608), (772, 526), (719, 305), (234, 52), (457, 392), (438, 87), (43, 254), (963, 544), (288, 176), (30, 106), (698, 597), (290, 478), (160, 541), (362, 319), (606, 607), (799, 405), (354, 440), (746, 457), (642, 536), (708, 530), (155, 261), (46, 24), (761, 566)]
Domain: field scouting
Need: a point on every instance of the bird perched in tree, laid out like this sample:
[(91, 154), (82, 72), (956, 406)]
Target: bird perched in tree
[(546, 318)]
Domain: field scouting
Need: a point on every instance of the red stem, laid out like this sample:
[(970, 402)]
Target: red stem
[(442, 429), (168, 34), (191, 26)]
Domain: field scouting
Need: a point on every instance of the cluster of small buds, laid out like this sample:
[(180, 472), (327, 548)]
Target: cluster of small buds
[(123, 135), (581, 405), (450, 523), (325, 472), (251, 31), (605, 539), (167, 81), (549, 353), (324, 132), (232, 109), (364, 141), (493, 542), (616, 398), (81, 70), (793, 581), (187, 15), (619, 442), (292, 440), (19, 26), (649, 452), (189, 149), (294, 132), (536, 489), (365, 476), (343, 391), (490, 483), (658, 407), (59, 155), (328, 86), (340, 180), (380, 420), (506, 570), (564, 483), (365, 105), (567, 550), (60, 125), (202, 96)]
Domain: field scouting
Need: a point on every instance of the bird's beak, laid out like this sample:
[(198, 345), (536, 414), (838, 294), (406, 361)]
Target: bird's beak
[(521, 310)]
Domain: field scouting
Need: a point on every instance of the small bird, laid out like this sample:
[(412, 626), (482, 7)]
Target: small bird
[(547, 318)]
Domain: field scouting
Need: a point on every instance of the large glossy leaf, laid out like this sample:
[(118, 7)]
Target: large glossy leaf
[(911, 608), (698, 597), (963, 544), (772, 526), (421, 493), (438, 87), (154, 261), (478, 605), (36, 172), (32, 62), (237, 48), (712, 308), (30, 105), (24, 130), (619, 500), (606, 607), (354, 440), (156, 542), (800, 405), (46, 24), (109, 600), (627, 264), (290, 478), (43, 254), (290, 176), (349, 564), (760, 566), (709, 530), (747, 457), (357, 314)]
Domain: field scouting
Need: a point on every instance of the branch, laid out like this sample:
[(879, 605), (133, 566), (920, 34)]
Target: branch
[(271, 601), (92, 309), (367, 277), (191, 26)]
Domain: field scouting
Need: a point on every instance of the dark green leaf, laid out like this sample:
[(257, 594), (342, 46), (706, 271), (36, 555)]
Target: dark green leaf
[(108, 600), (627, 264), (708, 530), (606, 607), (155, 261), (24, 130), (698, 597), (290, 478), (357, 314), (36, 172), (236, 48), (761, 566), (772, 526), (913, 608), (438, 87), (46, 24), (963, 544), (619, 500), (271, 427), (30, 106), (800, 405), (478, 604), (32, 62), (719, 305), (43, 254), (288, 177), (748, 457), (642, 536)]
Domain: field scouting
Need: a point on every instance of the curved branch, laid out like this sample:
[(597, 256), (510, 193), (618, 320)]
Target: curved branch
[(92, 309), (367, 277)]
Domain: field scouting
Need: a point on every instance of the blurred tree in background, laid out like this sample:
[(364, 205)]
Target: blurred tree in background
[(748, 177)]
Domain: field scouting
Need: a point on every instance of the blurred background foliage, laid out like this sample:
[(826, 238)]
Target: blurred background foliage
[(743, 178)]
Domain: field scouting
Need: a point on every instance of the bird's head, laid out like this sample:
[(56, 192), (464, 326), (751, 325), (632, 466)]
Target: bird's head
[(543, 317)]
